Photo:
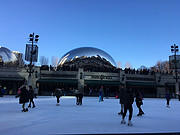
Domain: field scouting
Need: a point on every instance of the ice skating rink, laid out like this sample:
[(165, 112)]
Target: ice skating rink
[(92, 117)]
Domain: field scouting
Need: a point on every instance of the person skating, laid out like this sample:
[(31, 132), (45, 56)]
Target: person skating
[(1, 93), (31, 92), (139, 102), (168, 97), (100, 95), (102, 90), (35, 92), (79, 96), (128, 101), (121, 99), (58, 94), (24, 98)]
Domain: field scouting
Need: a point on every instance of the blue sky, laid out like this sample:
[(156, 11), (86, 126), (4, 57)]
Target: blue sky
[(136, 31)]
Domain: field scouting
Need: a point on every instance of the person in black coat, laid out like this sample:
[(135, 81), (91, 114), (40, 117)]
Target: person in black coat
[(128, 101), (58, 94), (139, 102), (121, 99), (79, 96), (24, 97), (31, 92), (168, 97), (1, 93)]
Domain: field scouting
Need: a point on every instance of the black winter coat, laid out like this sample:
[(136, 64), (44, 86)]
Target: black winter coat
[(128, 99), (58, 93), (121, 96), (138, 100), (31, 92), (24, 96)]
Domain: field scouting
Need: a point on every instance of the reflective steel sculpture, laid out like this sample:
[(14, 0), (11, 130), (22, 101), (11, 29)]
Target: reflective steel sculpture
[(85, 56), (7, 57)]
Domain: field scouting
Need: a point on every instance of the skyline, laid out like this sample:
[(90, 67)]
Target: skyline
[(139, 32)]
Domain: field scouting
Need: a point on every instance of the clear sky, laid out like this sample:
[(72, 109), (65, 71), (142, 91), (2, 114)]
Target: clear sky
[(136, 31)]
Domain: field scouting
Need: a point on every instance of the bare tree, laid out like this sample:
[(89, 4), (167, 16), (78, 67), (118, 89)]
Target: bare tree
[(119, 64), (128, 65), (44, 60), (161, 66), (54, 61)]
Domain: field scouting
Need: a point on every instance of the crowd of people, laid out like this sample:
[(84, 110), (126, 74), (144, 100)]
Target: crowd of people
[(125, 95), (104, 69), (144, 71)]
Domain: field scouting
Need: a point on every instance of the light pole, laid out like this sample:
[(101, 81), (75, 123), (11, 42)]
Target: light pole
[(174, 49), (32, 39)]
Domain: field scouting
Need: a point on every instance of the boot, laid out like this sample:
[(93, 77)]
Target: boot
[(142, 113), (123, 121), (23, 110), (130, 123), (120, 113), (26, 110)]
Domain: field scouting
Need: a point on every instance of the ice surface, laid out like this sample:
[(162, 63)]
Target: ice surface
[(92, 117)]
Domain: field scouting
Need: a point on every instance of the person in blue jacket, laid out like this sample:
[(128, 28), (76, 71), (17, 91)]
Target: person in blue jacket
[(100, 95), (168, 97)]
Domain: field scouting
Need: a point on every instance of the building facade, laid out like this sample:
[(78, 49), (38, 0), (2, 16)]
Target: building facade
[(151, 85)]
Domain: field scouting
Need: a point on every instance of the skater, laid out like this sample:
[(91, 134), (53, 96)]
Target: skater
[(100, 95), (31, 92), (121, 99), (90, 91), (139, 102), (35, 92), (58, 94), (79, 96), (24, 98), (168, 97), (1, 93), (128, 101)]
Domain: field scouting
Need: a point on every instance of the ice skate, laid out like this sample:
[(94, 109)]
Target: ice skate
[(57, 104), (120, 113), (130, 123), (139, 114), (23, 110), (26, 110), (123, 121), (29, 106), (142, 113), (167, 106), (33, 106), (77, 103)]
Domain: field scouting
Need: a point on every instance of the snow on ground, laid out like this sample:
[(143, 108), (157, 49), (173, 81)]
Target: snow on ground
[(92, 117)]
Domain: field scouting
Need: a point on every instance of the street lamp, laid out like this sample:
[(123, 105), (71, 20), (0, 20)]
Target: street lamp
[(174, 49), (32, 39)]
